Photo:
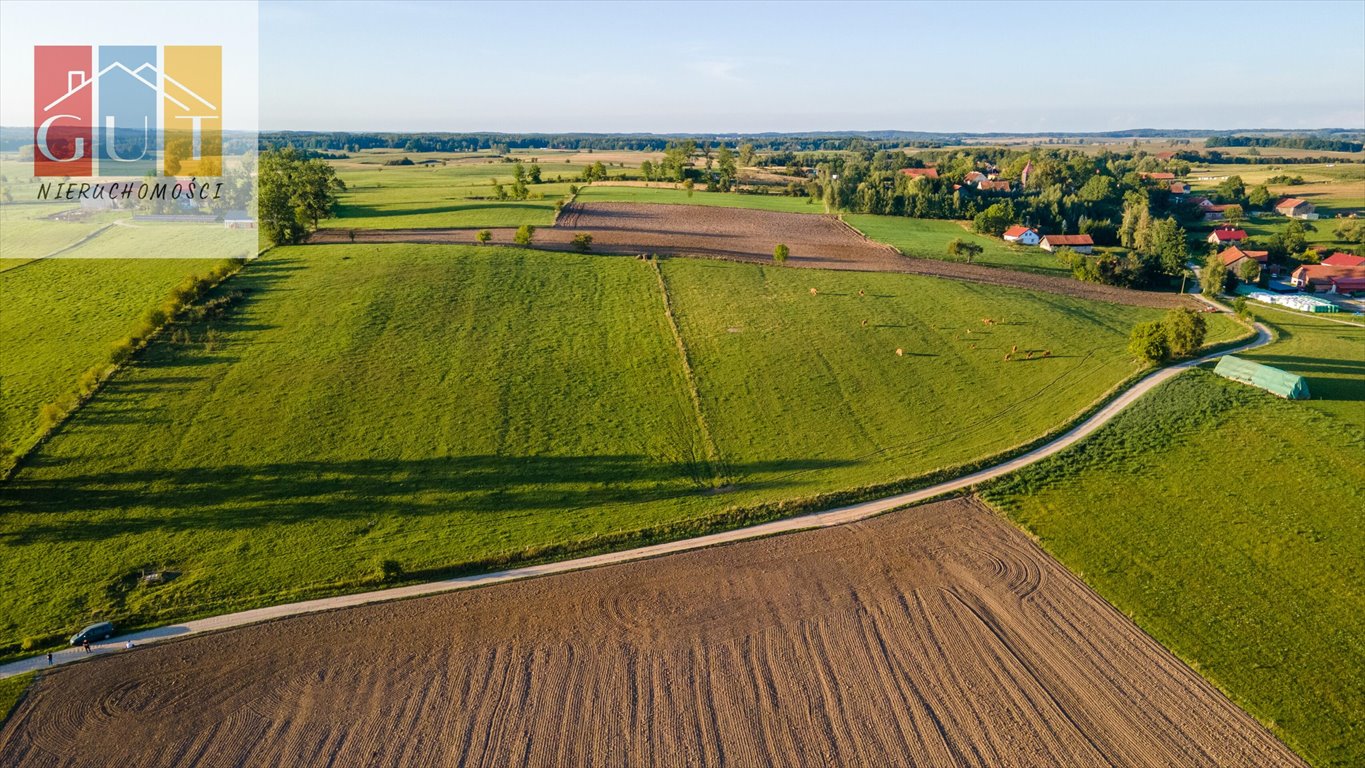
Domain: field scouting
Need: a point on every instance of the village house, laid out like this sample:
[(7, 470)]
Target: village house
[(1077, 243), (1295, 208), (1226, 236), (1021, 234), (1233, 257), (975, 177), (1178, 190), (928, 173), (1159, 176), (1325, 278), (999, 185)]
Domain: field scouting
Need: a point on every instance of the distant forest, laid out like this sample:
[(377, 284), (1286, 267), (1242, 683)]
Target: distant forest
[(502, 143), (1318, 143)]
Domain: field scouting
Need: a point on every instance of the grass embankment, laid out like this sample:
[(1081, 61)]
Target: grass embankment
[(1227, 523), (929, 238), (11, 690), (453, 408)]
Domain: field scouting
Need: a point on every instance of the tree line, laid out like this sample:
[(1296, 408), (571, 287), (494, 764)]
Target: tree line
[(294, 194)]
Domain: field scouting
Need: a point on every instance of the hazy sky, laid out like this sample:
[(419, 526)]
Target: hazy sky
[(723, 67)]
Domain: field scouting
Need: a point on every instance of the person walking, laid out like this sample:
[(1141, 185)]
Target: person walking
[(49, 658), (86, 645)]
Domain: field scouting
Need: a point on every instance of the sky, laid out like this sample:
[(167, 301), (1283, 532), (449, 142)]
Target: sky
[(726, 67), (752, 67)]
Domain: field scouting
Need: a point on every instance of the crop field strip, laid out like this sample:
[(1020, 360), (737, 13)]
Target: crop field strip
[(972, 648)]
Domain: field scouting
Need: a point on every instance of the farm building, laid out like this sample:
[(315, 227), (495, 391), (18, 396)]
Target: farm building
[(238, 220), (1340, 259), (1021, 234), (999, 185), (1273, 380), (1077, 243), (975, 177), (1234, 256), (1179, 188), (1159, 176), (1227, 235), (1325, 278), (928, 173), (1295, 208)]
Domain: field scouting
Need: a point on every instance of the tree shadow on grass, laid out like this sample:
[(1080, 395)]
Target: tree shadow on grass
[(344, 212), (76, 507)]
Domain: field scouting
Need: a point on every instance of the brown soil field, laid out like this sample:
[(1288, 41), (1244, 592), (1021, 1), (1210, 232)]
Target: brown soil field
[(741, 234), (938, 635)]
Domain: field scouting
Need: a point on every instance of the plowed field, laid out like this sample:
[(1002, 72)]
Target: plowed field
[(934, 636)]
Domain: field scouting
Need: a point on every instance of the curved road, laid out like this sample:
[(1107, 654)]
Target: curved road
[(824, 519)]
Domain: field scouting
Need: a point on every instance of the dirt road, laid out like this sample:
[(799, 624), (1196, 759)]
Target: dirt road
[(937, 635), (740, 234)]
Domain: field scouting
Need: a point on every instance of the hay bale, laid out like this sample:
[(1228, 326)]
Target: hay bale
[(900, 352), (813, 292)]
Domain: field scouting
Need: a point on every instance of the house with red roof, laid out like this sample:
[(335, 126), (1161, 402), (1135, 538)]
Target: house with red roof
[(1227, 235), (974, 177), (1077, 243), (1295, 208), (1233, 258), (1159, 176), (1325, 278), (928, 173), (1021, 234), (1179, 189), (998, 185), (1342, 259)]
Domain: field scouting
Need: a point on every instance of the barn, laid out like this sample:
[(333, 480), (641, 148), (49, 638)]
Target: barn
[(1278, 382)]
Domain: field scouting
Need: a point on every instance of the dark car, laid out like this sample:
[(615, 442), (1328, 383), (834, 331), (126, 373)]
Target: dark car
[(94, 633)]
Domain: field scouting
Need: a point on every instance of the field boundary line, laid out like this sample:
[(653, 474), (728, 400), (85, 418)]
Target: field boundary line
[(708, 445), (823, 519), (87, 238)]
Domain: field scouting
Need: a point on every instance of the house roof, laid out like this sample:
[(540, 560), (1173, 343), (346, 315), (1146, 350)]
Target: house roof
[(1017, 230), (1000, 185), (1229, 235), (1349, 284), (931, 173), (1291, 202), (1340, 259), (1179, 187), (1234, 254), (974, 175), (1159, 176), (1318, 273), (1068, 239)]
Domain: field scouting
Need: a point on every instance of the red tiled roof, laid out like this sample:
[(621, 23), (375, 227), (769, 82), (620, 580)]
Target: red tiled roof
[(1349, 284), (931, 173), (1317, 273), (1017, 230), (1179, 187), (1235, 254), (997, 186), (1159, 176), (1340, 259), (1068, 240), (1291, 202), (1228, 235)]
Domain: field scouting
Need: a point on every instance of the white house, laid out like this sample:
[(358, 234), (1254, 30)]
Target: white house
[(1021, 235), (1077, 243)]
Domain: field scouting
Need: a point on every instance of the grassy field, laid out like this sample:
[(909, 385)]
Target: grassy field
[(780, 203), (460, 407), (11, 689), (1226, 523), (929, 238), (61, 316)]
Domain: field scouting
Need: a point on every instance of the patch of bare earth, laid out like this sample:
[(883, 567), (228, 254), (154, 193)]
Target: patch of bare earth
[(741, 234), (938, 636)]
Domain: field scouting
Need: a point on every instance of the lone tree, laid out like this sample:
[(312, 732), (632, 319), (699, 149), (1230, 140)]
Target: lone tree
[(525, 234), (968, 251), (781, 252), (1184, 330), (483, 237), (582, 242), (1214, 278), (1147, 343)]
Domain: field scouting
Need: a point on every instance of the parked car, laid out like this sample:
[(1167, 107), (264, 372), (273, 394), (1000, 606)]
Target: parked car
[(94, 633)]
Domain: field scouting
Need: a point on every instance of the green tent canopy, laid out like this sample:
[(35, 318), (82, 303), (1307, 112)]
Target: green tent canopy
[(1282, 383)]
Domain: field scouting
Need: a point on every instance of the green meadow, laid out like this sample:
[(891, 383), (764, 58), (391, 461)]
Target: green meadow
[(929, 238), (1227, 523), (458, 408), (60, 316), (780, 203)]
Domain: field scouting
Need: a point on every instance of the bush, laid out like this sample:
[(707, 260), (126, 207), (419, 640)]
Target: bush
[(781, 252), (525, 234), (388, 571), (582, 242), (483, 237), (1147, 343), (1184, 329)]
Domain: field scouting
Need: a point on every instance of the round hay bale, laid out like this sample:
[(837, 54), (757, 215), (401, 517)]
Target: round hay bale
[(900, 352), (813, 292)]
